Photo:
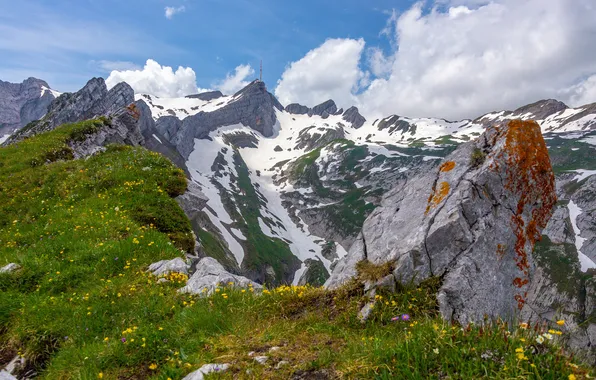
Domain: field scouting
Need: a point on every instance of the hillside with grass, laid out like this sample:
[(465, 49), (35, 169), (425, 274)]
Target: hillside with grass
[(81, 304)]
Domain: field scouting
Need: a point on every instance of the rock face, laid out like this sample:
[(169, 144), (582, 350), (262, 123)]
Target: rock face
[(210, 274), (297, 109), (253, 106), (21, 103), (473, 221), (353, 116), (324, 109), (206, 96), (92, 100)]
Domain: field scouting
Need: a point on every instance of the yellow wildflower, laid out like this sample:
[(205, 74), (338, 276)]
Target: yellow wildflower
[(561, 322), (153, 366)]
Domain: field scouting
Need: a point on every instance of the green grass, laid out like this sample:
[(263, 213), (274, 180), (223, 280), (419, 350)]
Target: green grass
[(83, 307)]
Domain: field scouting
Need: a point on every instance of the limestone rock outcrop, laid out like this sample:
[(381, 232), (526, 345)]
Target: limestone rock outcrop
[(473, 221)]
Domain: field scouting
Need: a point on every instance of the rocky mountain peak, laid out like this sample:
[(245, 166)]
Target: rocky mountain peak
[(21, 103), (206, 96), (324, 109), (351, 115), (541, 109), (92, 100)]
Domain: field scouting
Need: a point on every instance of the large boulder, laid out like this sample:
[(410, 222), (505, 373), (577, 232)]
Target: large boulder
[(472, 221), (210, 274)]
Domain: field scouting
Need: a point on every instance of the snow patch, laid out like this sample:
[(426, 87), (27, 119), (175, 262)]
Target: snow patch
[(45, 89), (157, 138), (585, 261), (4, 138), (583, 174)]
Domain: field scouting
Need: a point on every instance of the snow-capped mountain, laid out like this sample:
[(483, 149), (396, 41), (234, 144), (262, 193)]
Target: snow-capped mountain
[(289, 188), (21, 103), (309, 179)]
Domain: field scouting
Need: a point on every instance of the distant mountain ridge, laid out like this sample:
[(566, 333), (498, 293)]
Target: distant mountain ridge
[(21, 103)]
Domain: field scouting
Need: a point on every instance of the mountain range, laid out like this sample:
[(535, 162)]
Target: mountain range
[(298, 195)]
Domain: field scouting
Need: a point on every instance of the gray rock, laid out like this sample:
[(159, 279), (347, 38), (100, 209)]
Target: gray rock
[(193, 200), (324, 109), (252, 106), (154, 140), (92, 100), (168, 126), (21, 103), (165, 267), (462, 223), (261, 359), (210, 274), (353, 116), (10, 268), (122, 128), (206, 96), (297, 109), (206, 370), (5, 375), (364, 313)]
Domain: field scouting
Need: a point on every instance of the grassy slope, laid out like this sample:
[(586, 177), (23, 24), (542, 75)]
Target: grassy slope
[(83, 307)]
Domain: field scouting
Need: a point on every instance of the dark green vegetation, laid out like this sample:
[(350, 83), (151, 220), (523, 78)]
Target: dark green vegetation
[(561, 263), (317, 274), (570, 154), (477, 157), (260, 250)]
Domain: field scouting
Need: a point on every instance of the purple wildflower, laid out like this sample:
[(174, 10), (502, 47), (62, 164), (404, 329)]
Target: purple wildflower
[(123, 340), (405, 317), (395, 319)]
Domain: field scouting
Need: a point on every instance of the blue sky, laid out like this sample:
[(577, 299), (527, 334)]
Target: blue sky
[(210, 36), (453, 59)]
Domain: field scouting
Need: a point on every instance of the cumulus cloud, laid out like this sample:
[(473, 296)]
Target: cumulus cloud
[(235, 81), (582, 93), (157, 80), (171, 11), (460, 59), (330, 71)]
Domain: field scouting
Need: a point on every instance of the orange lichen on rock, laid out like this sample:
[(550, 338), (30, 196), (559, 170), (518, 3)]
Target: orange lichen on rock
[(500, 251), (447, 166), (134, 110), (437, 195), (528, 174)]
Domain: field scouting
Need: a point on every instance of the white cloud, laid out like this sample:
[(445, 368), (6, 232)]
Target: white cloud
[(330, 71), (582, 93), (459, 60), (236, 81), (157, 80), (171, 11)]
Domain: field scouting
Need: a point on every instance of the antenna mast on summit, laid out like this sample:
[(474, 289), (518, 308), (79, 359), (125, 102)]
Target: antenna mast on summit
[(261, 73)]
